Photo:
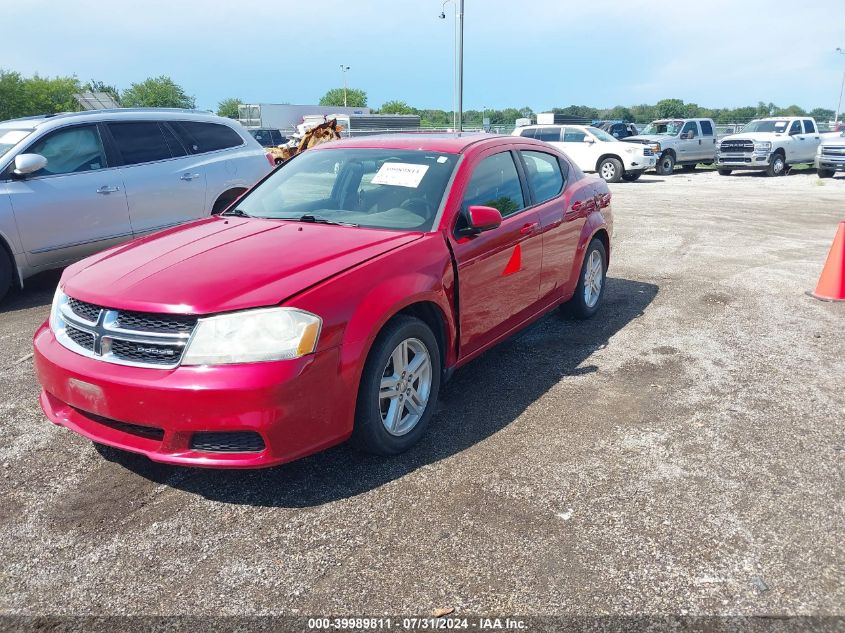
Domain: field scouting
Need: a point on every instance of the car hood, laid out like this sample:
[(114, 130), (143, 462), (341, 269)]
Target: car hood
[(754, 136), (645, 139), (224, 263)]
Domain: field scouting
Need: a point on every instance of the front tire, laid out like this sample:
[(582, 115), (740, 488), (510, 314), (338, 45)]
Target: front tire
[(591, 282), (631, 176), (399, 388), (5, 273), (825, 173), (666, 164), (725, 172), (610, 169), (777, 167)]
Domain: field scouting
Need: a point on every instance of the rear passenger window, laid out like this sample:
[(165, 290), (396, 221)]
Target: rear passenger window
[(809, 128), (548, 134), (140, 142), (573, 135), (544, 177), (495, 183), (173, 143), (200, 137), (706, 128)]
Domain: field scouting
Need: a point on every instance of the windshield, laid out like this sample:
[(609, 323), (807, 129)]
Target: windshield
[(602, 135), (778, 126), (10, 138), (377, 188), (663, 128)]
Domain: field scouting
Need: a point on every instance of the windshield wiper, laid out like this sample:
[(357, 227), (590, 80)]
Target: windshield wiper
[(238, 212), (319, 219)]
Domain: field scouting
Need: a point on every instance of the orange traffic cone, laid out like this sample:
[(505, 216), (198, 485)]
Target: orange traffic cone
[(831, 285)]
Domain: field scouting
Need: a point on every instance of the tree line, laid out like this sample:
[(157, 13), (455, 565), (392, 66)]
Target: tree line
[(27, 96)]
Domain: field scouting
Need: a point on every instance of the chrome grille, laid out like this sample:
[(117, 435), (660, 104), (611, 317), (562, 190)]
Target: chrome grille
[(80, 337), (737, 146), (125, 338), (146, 322), (87, 311), (836, 151), (647, 151)]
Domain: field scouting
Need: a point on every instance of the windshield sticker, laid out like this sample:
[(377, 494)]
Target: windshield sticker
[(13, 137), (400, 175)]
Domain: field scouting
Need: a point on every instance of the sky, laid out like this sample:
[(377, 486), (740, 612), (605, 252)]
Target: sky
[(538, 53)]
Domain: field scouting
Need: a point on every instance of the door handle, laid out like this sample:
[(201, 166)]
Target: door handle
[(106, 189), (188, 176), (529, 228)]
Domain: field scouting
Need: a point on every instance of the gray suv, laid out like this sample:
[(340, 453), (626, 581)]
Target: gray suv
[(74, 184)]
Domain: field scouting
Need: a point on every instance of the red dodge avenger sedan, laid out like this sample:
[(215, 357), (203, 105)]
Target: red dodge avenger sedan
[(330, 301)]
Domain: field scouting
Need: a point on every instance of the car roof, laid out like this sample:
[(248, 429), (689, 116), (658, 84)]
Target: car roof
[(111, 114), (449, 143)]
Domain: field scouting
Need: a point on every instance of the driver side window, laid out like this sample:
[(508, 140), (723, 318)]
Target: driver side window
[(795, 128), (70, 151), (690, 130), (495, 183)]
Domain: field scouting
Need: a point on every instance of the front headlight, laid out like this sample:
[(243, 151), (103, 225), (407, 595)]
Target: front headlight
[(762, 146), (655, 147), (57, 322), (253, 336)]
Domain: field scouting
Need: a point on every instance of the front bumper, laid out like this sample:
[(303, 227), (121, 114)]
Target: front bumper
[(826, 162), (297, 407), (639, 162), (744, 160)]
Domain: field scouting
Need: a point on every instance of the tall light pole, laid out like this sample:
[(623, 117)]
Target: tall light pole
[(839, 105), (343, 70), (454, 60), (459, 54)]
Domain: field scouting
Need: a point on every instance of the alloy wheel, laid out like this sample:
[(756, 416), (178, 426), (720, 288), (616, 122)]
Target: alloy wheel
[(593, 278), (405, 387)]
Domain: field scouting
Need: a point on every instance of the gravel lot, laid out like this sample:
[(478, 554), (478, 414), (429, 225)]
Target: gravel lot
[(681, 453)]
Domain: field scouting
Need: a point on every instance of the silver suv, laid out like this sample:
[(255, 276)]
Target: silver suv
[(74, 184)]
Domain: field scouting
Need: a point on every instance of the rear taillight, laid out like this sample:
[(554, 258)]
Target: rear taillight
[(270, 159)]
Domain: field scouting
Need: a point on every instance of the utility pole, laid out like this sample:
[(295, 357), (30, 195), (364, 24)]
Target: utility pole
[(841, 88), (343, 70), (454, 58), (459, 53)]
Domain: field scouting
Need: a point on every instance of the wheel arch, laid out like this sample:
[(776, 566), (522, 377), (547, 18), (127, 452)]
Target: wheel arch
[(228, 196), (609, 155), (17, 277)]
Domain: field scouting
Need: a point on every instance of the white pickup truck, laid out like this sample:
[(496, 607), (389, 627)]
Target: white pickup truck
[(830, 156), (769, 145)]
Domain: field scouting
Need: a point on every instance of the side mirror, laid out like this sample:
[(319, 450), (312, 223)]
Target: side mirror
[(28, 164), (480, 219)]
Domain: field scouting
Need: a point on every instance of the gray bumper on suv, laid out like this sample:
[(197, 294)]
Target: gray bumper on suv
[(832, 158)]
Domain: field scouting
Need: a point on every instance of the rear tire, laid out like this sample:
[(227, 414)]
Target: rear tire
[(397, 397), (666, 164), (777, 166), (611, 170), (825, 173), (725, 172), (5, 273), (631, 176), (583, 304)]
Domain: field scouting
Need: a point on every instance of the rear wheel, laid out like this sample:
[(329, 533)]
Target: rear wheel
[(631, 176), (725, 172), (777, 167), (590, 289), (666, 164), (610, 169), (5, 273), (399, 387), (825, 173)]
